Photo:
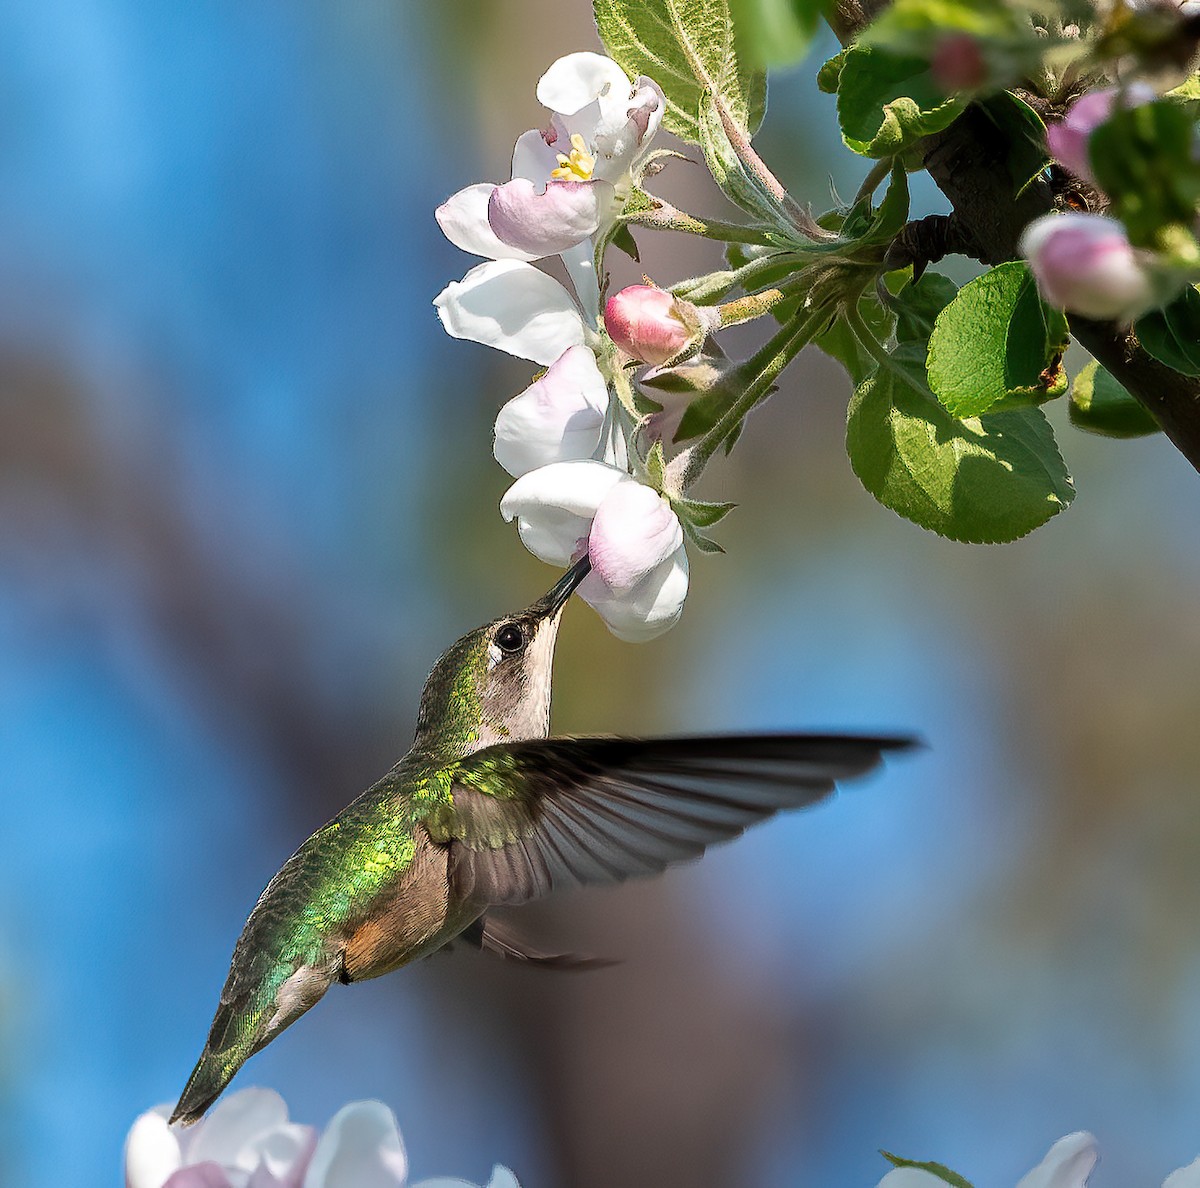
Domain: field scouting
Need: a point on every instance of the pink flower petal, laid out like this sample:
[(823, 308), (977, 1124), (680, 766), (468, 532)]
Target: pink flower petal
[(634, 531), (199, 1175), (544, 224)]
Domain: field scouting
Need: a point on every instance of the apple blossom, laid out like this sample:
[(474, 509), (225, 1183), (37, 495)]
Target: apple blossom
[(557, 418), (1085, 263), (568, 179), (1068, 138), (246, 1141), (633, 537), (651, 324)]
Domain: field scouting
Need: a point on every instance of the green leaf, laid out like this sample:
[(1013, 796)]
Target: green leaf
[(830, 73), (841, 343), (1025, 134), (1142, 158), (997, 342), (934, 1169), (687, 47), (866, 225), (700, 513), (656, 466), (986, 479), (1172, 334), (887, 103), (1101, 405), (775, 32), (918, 304), (740, 186)]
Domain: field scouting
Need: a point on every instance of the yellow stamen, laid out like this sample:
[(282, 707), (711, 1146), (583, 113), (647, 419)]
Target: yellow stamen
[(578, 166)]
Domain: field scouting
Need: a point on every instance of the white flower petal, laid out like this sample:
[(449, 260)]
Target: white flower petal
[(1067, 1164), (580, 263), (229, 1134), (650, 608), (556, 419), (534, 159), (634, 531), (501, 1178), (911, 1177), (151, 1152), (1184, 1177), (279, 1157), (544, 222), (577, 79), (510, 305), (554, 506), (360, 1148), (464, 222)]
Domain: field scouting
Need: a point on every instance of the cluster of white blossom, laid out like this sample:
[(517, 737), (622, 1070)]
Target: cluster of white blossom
[(247, 1141), (566, 439)]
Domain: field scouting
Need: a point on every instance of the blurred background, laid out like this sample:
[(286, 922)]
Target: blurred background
[(246, 498)]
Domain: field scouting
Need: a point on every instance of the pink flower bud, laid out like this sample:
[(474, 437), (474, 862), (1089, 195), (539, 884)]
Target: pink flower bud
[(1068, 138), (1086, 264), (650, 324), (958, 63)]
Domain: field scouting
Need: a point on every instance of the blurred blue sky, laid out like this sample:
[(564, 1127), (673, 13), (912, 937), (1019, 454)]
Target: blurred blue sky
[(245, 500)]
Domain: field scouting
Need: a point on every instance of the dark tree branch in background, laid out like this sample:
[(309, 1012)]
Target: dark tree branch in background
[(969, 163)]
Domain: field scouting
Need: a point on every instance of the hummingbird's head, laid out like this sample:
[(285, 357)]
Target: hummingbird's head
[(493, 685)]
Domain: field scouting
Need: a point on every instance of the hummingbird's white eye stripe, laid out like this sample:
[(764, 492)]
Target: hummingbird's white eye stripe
[(495, 655)]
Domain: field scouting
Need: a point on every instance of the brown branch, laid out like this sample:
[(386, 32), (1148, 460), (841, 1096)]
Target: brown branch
[(969, 163)]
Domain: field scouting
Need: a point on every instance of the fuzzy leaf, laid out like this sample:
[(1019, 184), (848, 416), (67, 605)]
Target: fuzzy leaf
[(887, 103), (739, 185), (997, 344), (1099, 404), (687, 47), (985, 479), (701, 513)]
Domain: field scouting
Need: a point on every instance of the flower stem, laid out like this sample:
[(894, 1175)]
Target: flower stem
[(665, 217), (758, 373), (757, 167)]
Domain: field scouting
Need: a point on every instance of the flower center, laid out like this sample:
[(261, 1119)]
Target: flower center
[(578, 165)]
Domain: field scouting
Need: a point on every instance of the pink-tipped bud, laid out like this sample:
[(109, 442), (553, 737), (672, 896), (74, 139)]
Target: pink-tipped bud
[(1086, 264), (1068, 138), (650, 324), (958, 63)]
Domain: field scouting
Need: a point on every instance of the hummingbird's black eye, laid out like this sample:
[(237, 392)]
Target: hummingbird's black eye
[(510, 638)]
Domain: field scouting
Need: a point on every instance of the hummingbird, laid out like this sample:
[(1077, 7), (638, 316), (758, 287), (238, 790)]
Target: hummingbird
[(486, 810)]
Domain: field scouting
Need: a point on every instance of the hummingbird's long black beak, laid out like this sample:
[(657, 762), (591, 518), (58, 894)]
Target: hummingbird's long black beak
[(556, 598)]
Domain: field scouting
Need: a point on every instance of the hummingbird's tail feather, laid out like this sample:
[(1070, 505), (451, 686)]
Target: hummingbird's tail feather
[(245, 1023)]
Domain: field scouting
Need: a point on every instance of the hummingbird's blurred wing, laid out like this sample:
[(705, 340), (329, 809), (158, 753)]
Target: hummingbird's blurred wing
[(532, 817)]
